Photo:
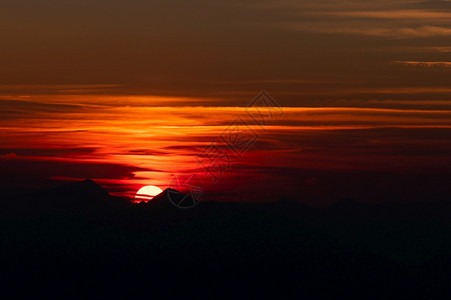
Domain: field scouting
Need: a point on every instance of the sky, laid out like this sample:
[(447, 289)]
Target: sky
[(131, 93)]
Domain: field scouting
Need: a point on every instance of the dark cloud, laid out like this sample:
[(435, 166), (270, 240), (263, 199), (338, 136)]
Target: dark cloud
[(30, 106), (431, 4), (146, 152), (61, 152), (176, 48), (21, 175)]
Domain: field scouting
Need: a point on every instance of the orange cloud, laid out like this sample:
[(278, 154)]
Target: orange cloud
[(393, 31), (424, 64), (394, 14)]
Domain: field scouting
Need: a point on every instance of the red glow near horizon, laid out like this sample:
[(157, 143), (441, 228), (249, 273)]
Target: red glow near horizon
[(125, 148)]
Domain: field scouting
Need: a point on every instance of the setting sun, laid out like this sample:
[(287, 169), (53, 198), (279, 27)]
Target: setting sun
[(147, 193)]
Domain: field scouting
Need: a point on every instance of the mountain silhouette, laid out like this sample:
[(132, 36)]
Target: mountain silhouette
[(172, 198), (78, 239), (74, 197)]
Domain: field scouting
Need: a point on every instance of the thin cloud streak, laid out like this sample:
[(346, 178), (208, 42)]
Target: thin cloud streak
[(424, 64), (372, 30), (395, 14)]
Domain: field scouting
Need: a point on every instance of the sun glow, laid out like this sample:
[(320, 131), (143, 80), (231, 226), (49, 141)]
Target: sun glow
[(147, 193)]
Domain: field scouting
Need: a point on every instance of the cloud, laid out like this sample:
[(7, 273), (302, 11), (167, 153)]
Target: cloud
[(385, 31), (46, 152), (11, 155), (411, 49), (22, 174), (424, 64), (31, 106), (145, 152), (224, 51), (384, 19), (395, 14), (25, 87)]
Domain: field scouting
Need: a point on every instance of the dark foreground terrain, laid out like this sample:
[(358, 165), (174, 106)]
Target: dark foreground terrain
[(78, 241)]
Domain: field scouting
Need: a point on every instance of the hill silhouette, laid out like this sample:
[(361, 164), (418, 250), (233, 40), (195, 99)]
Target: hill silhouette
[(71, 198), (171, 198), (77, 240)]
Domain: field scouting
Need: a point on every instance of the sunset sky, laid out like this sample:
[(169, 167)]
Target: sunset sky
[(132, 93)]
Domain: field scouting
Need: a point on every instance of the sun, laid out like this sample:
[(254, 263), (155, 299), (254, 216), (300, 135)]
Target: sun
[(147, 193)]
